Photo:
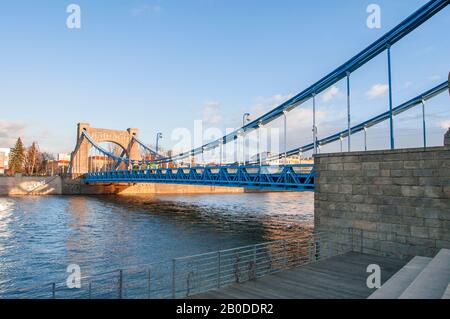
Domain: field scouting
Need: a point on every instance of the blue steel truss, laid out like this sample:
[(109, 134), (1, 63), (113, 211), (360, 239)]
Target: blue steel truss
[(282, 178)]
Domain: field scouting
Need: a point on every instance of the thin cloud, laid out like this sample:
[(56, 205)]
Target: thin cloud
[(408, 84), (331, 93), (266, 104), (434, 77), (445, 125), (146, 9), (377, 90), (10, 131), (211, 113)]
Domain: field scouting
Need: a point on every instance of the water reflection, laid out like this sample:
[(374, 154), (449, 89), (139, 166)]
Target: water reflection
[(41, 236)]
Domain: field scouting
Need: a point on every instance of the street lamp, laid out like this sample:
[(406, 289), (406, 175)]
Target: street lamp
[(245, 119), (158, 137)]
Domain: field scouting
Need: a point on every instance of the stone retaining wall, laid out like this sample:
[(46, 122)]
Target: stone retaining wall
[(56, 185), (78, 187), (11, 186), (398, 200)]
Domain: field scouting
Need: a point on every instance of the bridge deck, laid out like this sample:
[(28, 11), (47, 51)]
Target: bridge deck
[(341, 277)]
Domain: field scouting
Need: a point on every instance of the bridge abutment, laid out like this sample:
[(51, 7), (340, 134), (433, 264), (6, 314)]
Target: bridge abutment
[(398, 201), (79, 187)]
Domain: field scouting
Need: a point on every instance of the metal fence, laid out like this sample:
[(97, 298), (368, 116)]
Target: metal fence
[(187, 276)]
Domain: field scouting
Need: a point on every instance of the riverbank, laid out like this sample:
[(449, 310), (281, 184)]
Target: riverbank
[(56, 185)]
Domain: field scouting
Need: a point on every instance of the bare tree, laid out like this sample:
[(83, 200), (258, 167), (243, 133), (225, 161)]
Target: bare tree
[(45, 158), (32, 159)]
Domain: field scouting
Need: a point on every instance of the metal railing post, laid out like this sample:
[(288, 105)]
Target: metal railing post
[(365, 138), (219, 269), (149, 287), (254, 262), (317, 249), (236, 150), (349, 114), (314, 124), (120, 284), (260, 127), (391, 115), (174, 261), (221, 153), (53, 290), (424, 125), (286, 255), (90, 290), (310, 249), (237, 270), (243, 148)]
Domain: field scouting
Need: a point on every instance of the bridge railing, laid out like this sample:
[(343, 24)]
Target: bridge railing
[(202, 273), (287, 177), (186, 276)]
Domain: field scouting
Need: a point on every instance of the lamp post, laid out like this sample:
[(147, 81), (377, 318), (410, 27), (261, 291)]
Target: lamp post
[(158, 137), (245, 119), (285, 136)]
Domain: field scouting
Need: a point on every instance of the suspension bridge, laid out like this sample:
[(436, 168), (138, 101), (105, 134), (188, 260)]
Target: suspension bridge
[(126, 164)]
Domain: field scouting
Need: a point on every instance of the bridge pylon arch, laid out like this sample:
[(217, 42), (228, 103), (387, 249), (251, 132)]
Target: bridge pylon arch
[(80, 156)]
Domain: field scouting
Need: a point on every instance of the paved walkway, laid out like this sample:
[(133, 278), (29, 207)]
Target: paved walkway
[(341, 277)]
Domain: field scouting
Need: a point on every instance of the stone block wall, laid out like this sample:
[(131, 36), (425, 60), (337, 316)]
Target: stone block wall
[(397, 201), (33, 186), (78, 187)]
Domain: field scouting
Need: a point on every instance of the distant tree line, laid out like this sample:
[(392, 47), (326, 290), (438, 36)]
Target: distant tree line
[(28, 160)]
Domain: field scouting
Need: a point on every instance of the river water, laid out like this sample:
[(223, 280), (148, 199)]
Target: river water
[(41, 236)]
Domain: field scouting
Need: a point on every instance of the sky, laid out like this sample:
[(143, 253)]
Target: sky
[(160, 65)]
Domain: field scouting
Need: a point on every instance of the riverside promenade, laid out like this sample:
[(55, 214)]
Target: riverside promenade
[(339, 277), (369, 197)]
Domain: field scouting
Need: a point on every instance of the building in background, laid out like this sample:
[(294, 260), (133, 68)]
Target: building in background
[(63, 157), (4, 159), (59, 166), (100, 163)]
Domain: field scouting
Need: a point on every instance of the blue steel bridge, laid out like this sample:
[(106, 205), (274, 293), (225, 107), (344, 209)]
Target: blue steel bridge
[(122, 168)]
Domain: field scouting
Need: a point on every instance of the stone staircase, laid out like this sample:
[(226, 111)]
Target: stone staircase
[(421, 278), (447, 293)]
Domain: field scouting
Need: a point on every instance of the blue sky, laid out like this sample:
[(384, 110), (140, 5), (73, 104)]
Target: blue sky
[(162, 64)]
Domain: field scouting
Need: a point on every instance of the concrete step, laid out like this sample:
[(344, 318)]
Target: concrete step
[(447, 293), (433, 281), (395, 286)]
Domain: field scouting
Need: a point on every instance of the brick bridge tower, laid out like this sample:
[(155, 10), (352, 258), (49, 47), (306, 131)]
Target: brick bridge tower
[(124, 139)]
